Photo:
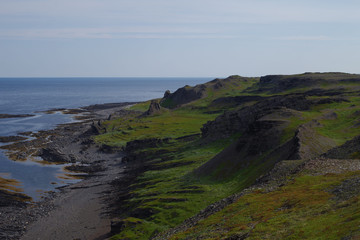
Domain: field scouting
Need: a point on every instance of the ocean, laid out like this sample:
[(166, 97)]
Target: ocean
[(33, 95)]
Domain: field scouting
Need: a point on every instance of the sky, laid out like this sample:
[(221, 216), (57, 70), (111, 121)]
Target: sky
[(178, 38)]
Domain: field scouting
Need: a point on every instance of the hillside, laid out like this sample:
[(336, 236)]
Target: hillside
[(240, 158)]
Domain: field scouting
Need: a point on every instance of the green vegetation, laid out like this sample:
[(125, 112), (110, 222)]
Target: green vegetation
[(169, 191), (169, 124), (303, 209)]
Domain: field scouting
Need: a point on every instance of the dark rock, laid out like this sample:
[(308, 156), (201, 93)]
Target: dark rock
[(144, 143), (330, 116), (97, 127), (54, 155), (349, 150), (154, 108), (183, 95), (234, 101), (280, 83), (347, 189), (16, 115), (167, 93), (143, 213), (85, 168), (237, 121), (117, 225), (12, 139), (108, 149)]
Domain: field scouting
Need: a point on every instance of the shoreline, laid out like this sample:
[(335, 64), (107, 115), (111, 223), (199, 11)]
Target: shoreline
[(85, 205)]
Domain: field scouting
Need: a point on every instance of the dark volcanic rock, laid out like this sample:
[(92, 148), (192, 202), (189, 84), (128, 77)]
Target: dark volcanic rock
[(153, 108), (234, 101), (85, 168), (349, 150), (97, 127), (16, 115), (183, 95), (167, 93), (11, 139), (144, 143), (54, 155), (347, 189), (236, 121), (280, 83)]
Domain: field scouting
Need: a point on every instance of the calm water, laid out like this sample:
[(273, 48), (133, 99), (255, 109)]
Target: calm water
[(29, 95)]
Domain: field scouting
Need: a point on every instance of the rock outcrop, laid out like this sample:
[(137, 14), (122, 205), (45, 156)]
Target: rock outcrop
[(237, 121), (154, 108), (349, 150), (183, 95), (55, 155), (280, 83), (262, 143)]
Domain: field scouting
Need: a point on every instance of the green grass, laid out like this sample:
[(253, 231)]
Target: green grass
[(170, 192), (302, 209), (142, 107), (170, 124)]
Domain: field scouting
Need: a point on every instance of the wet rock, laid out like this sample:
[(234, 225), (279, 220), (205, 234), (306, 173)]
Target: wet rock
[(16, 115), (85, 168), (54, 155), (12, 139)]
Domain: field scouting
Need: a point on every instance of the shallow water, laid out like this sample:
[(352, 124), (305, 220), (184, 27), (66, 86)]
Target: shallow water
[(30, 95)]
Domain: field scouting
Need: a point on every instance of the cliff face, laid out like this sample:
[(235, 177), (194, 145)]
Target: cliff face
[(239, 120), (262, 143), (183, 95), (280, 83)]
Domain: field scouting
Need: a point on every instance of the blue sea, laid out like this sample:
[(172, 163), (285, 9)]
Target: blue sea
[(33, 95)]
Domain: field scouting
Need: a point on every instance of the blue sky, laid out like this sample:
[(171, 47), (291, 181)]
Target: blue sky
[(187, 38)]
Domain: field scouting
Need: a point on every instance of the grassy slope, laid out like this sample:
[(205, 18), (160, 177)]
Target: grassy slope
[(302, 209), (173, 194)]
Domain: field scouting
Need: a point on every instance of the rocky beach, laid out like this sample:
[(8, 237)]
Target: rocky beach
[(78, 211)]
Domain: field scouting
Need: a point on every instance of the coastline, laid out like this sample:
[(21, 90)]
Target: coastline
[(85, 205)]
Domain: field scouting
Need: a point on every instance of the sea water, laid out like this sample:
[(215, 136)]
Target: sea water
[(33, 95)]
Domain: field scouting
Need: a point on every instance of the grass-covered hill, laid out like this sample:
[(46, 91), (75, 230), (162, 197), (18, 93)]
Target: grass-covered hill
[(275, 157)]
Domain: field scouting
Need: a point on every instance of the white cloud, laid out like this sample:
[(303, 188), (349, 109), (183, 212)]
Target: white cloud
[(162, 18), (107, 33)]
